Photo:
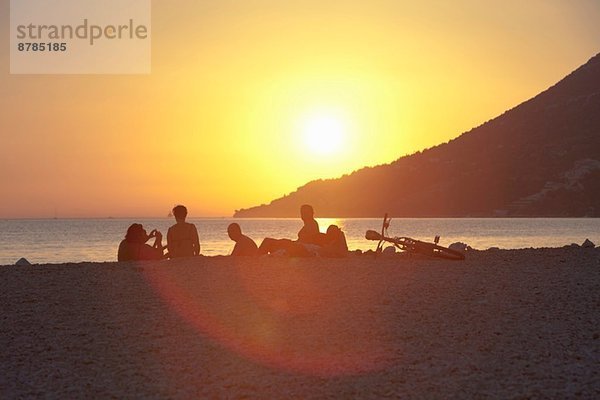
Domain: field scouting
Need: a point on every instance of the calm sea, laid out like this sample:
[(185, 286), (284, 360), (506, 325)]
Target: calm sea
[(76, 240)]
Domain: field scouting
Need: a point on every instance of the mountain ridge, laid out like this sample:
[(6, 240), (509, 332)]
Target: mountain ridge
[(539, 158)]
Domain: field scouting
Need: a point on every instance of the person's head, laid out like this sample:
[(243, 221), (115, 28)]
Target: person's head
[(180, 212), (234, 231), (333, 232), (306, 212), (136, 234)]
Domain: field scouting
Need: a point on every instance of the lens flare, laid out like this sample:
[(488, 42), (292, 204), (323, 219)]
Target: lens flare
[(279, 313)]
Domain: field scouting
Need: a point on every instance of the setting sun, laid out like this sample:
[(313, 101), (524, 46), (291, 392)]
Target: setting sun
[(324, 134)]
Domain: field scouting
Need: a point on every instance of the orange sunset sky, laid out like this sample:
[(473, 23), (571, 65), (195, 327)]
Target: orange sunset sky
[(247, 100)]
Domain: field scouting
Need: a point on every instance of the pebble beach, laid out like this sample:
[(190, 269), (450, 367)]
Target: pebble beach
[(503, 324)]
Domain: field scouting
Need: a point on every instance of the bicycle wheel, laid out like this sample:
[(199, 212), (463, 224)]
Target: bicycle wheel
[(433, 250), (446, 253)]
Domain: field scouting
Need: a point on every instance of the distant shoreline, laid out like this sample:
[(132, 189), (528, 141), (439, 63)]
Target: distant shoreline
[(285, 218), (352, 256), (74, 240)]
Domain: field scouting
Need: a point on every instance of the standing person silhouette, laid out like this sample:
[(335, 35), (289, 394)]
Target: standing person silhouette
[(182, 238)]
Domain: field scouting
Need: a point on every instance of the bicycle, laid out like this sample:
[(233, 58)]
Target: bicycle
[(412, 246)]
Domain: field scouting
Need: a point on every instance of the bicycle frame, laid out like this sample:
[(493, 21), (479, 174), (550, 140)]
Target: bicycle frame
[(411, 245)]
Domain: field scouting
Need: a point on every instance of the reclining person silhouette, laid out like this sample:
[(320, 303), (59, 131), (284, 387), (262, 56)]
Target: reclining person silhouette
[(311, 242)]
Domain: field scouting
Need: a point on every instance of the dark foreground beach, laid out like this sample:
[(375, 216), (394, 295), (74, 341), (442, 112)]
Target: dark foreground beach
[(510, 324)]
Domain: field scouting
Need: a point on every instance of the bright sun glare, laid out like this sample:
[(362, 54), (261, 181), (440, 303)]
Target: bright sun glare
[(324, 134)]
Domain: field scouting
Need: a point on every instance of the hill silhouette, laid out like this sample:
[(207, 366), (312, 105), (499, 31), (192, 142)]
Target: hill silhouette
[(541, 158)]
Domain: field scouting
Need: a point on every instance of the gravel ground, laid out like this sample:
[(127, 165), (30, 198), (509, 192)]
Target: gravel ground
[(509, 324)]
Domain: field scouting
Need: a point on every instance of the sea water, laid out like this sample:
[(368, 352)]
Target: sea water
[(77, 240)]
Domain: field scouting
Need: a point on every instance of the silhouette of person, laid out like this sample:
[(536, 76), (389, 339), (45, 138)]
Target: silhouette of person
[(244, 246), (182, 238), (288, 247), (334, 243), (134, 247), (309, 233), (309, 240)]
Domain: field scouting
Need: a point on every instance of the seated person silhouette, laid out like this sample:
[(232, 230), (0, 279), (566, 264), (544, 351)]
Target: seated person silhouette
[(334, 244), (182, 238), (134, 247), (309, 233), (244, 246)]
